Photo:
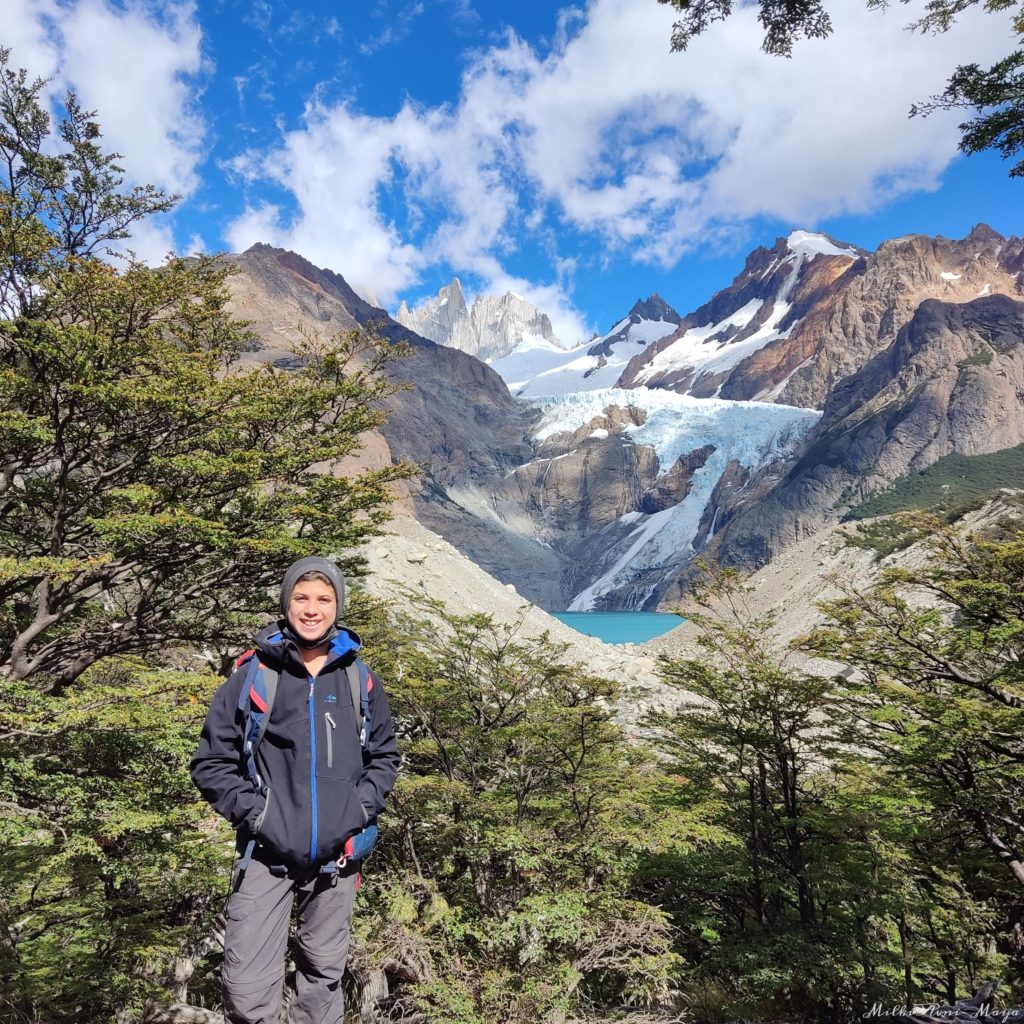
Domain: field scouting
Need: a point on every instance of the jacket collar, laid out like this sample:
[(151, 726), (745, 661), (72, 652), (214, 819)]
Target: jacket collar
[(275, 645)]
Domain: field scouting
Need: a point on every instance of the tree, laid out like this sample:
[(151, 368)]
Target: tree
[(152, 490), (996, 94), (514, 834), (940, 650), (824, 890)]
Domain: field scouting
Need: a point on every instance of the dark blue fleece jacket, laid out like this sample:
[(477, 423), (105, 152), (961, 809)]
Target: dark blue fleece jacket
[(319, 786)]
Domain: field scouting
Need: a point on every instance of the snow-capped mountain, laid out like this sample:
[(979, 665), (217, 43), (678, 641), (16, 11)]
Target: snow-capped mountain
[(588, 493), (765, 304), (538, 369), (494, 326)]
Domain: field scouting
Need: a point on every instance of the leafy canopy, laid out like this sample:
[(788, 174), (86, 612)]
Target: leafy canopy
[(825, 881), (514, 834), (152, 487)]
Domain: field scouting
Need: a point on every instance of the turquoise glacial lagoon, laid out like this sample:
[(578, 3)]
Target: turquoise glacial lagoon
[(620, 627)]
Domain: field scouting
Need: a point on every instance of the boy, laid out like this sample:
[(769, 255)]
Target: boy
[(318, 786)]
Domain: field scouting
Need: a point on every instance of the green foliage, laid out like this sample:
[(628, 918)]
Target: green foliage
[(886, 535), (58, 204), (515, 833), (822, 892), (783, 21), (939, 652), (110, 863), (949, 487), (983, 357), (995, 93), (152, 490)]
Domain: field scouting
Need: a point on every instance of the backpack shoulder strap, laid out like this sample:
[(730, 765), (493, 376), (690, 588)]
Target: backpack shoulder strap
[(256, 702), (360, 681), (269, 677)]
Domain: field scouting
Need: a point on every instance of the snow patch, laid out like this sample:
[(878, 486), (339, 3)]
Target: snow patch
[(948, 275), (810, 243), (538, 370), (987, 290), (697, 351)]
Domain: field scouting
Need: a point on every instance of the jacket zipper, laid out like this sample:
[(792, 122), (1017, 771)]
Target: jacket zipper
[(329, 731), (312, 771)]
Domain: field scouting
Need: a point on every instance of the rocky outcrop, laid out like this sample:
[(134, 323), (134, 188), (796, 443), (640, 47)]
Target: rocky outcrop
[(731, 335), (952, 381), (493, 327), (455, 419), (653, 309)]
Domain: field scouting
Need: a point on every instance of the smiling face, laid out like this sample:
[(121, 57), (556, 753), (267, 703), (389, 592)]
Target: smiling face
[(313, 608)]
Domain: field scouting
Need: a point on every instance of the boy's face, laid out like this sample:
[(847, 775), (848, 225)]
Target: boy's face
[(312, 609)]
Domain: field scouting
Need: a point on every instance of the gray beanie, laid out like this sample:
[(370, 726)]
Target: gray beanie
[(312, 564)]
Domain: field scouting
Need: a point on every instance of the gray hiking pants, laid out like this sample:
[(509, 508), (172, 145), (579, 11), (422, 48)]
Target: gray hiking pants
[(256, 941)]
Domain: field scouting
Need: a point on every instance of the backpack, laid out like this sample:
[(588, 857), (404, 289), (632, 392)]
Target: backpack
[(256, 702)]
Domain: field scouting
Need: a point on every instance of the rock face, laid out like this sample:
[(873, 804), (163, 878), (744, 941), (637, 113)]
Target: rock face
[(492, 328), (652, 310), (621, 479), (952, 381), (729, 334), (807, 313), (456, 420)]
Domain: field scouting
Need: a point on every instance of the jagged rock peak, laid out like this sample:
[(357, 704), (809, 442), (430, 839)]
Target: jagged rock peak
[(983, 233), (493, 327), (654, 307), (800, 243)]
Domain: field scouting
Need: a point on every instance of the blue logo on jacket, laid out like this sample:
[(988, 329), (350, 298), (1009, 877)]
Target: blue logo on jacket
[(330, 698)]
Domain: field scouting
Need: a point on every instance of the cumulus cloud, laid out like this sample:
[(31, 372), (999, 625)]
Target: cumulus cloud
[(611, 135), (152, 241), (154, 122), (136, 65)]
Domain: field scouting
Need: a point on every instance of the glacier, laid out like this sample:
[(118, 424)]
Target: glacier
[(753, 434)]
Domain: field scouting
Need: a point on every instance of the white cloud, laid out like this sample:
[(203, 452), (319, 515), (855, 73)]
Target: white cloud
[(133, 67), (610, 134), (136, 65), (652, 149), (27, 33), (152, 241), (334, 166)]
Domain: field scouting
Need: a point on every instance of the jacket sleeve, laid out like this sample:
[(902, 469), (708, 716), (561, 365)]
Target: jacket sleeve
[(217, 767), (380, 757)]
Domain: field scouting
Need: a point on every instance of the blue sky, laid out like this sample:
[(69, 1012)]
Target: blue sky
[(561, 152)]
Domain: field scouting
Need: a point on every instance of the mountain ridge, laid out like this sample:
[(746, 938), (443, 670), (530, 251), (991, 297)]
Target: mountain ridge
[(608, 511), (492, 327)]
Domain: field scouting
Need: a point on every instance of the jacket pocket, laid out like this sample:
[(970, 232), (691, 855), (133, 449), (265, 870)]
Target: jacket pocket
[(339, 814), (338, 754), (271, 830)]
